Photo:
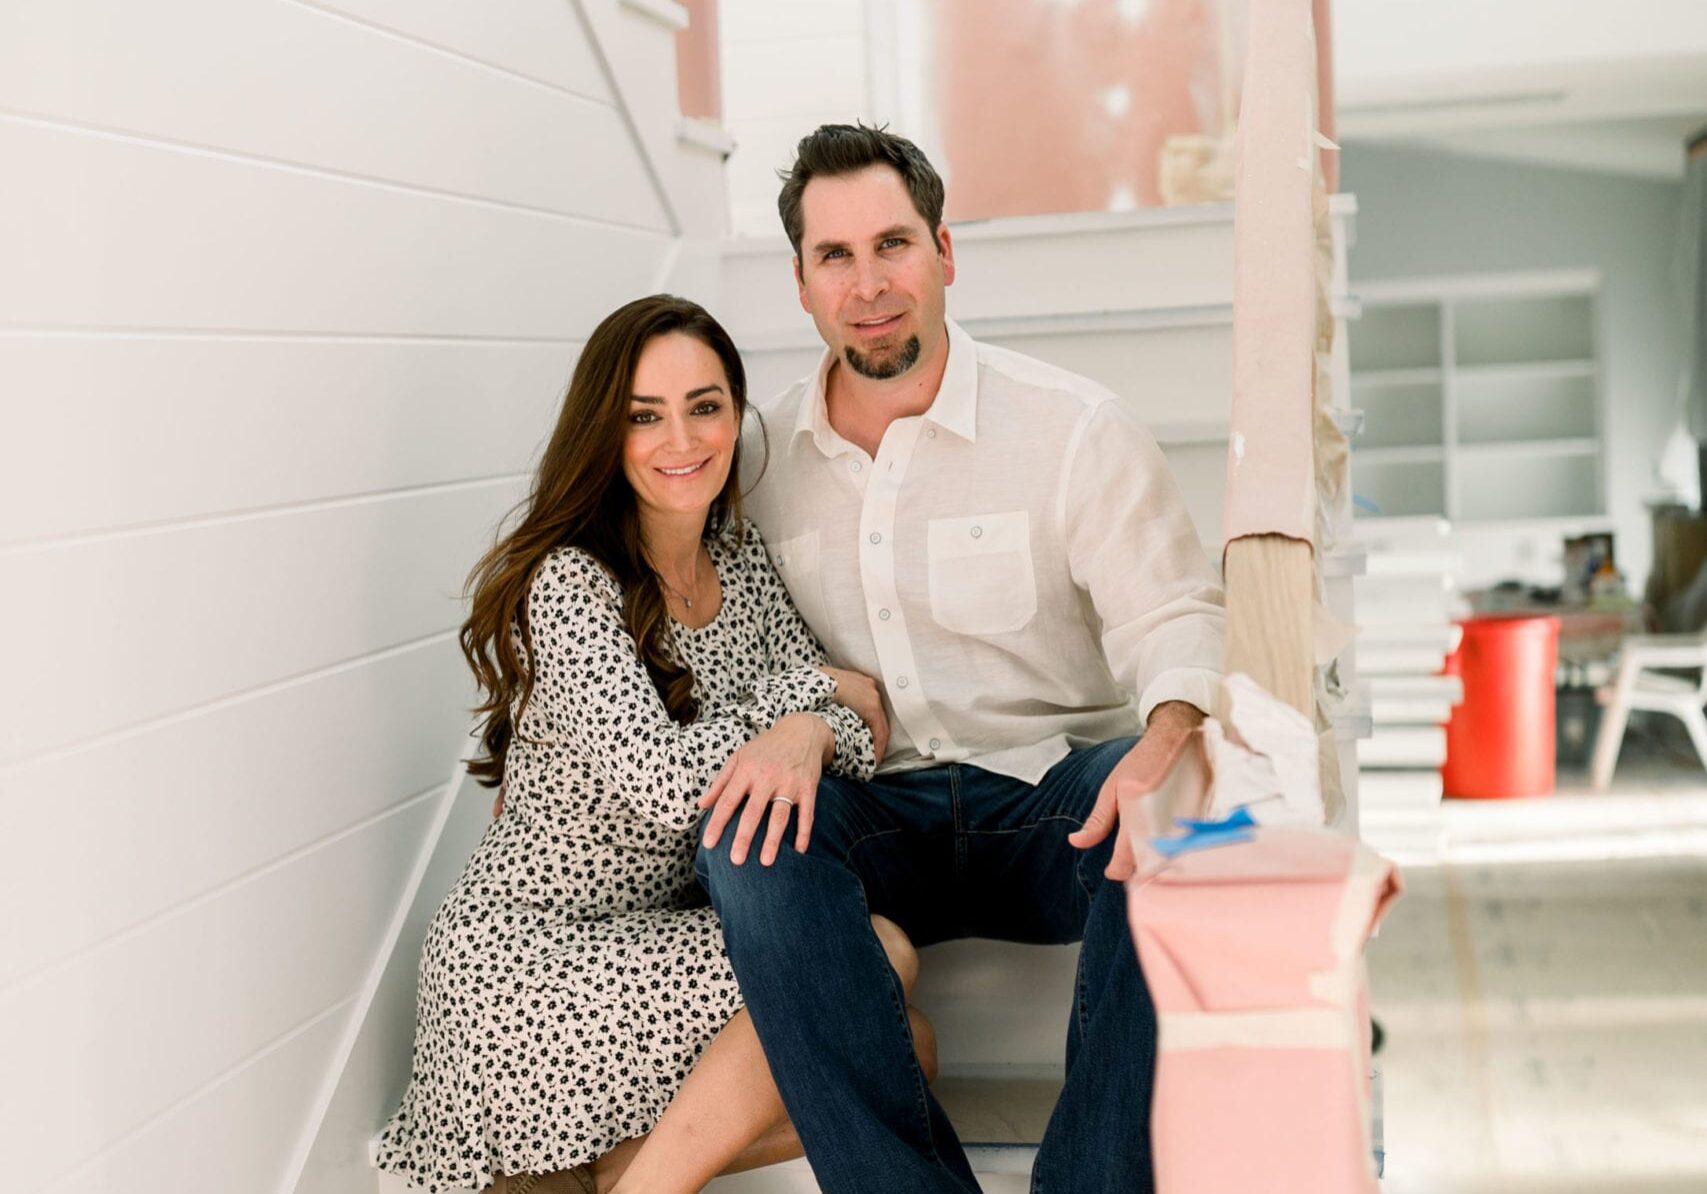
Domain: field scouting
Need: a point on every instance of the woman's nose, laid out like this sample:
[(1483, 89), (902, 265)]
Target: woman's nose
[(681, 433)]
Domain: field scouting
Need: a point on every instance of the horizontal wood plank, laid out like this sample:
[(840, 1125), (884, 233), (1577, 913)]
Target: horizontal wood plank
[(539, 39), (206, 242), (379, 107), (97, 1048), (121, 631), (184, 427), (232, 1136), (262, 777)]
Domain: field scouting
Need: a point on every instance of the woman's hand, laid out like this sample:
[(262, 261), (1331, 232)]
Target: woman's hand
[(859, 692), (774, 772)]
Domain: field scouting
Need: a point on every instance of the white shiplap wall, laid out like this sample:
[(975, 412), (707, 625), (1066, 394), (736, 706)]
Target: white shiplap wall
[(289, 290)]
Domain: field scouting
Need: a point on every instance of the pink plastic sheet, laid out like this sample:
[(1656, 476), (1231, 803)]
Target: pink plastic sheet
[(1253, 954)]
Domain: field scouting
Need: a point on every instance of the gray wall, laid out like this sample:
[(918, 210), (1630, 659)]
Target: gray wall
[(1424, 212)]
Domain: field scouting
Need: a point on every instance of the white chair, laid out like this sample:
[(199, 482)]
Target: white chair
[(1638, 687)]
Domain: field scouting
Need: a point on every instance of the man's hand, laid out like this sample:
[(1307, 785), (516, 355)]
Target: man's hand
[(859, 692), (778, 769), (1145, 765)]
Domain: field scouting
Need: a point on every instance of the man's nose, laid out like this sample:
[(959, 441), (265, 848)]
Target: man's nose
[(870, 281)]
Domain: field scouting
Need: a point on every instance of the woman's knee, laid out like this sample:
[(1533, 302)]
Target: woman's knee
[(924, 1042), (899, 950)]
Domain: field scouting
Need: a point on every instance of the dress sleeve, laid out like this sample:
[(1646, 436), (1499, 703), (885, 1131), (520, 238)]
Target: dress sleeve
[(789, 644), (595, 697)]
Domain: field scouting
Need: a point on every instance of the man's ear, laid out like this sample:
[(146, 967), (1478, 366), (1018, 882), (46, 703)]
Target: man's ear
[(800, 286), (945, 250)]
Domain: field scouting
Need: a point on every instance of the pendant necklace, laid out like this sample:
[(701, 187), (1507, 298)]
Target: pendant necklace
[(675, 592)]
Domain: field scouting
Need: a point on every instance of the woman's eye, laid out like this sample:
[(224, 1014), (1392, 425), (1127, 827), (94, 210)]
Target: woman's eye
[(708, 408), (641, 417)]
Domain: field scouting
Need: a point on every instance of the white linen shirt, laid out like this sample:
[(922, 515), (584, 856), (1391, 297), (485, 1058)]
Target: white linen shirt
[(1016, 566)]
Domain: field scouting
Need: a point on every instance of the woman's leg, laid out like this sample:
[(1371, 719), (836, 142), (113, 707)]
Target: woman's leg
[(728, 1116)]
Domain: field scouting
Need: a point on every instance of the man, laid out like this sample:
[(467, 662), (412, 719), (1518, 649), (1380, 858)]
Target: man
[(1003, 549)]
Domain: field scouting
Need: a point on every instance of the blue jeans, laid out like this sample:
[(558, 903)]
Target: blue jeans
[(948, 852)]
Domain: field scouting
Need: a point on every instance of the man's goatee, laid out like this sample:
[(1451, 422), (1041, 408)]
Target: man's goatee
[(884, 370)]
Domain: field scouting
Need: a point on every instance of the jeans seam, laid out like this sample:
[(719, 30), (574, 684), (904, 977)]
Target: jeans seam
[(921, 1103), (956, 822), (1027, 827)]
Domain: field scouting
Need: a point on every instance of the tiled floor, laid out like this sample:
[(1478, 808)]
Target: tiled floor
[(1544, 992)]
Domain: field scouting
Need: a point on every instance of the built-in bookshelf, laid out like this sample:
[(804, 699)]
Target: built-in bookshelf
[(1481, 398)]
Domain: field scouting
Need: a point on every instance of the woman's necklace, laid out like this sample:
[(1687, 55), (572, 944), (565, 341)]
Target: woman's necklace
[(686, 601)]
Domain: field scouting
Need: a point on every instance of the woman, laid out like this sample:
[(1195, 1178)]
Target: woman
[(633, 644)]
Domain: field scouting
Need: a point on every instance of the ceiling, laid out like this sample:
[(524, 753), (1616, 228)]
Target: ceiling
[(1543, 81)]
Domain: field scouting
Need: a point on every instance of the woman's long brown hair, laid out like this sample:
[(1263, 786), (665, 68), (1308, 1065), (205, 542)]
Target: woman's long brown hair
[(581, 498)]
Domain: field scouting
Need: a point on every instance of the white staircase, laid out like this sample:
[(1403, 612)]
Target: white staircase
[(1141, 302), (1407, 604)]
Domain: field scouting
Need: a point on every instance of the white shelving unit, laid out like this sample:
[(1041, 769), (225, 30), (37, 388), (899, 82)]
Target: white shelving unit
[(1481, 398)]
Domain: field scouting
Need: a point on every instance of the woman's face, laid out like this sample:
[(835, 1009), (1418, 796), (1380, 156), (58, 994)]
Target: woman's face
[(682, 429)]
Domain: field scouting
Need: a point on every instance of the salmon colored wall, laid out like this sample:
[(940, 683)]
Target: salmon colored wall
[(1048, 106), (698, 83)]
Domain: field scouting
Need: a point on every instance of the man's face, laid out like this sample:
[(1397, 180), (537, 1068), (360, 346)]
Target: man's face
[(869, 272)]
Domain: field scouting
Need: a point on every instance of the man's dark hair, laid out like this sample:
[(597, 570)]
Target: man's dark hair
[(833, 149)]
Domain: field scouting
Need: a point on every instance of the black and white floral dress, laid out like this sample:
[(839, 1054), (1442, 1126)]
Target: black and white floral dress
[(574, 974)]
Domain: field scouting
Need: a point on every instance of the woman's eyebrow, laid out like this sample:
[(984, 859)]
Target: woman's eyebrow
[(653, 400)]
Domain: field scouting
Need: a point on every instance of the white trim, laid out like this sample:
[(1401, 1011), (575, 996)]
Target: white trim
[(1536, 448), (369, 990), (655, 171), (705, 134), (666, 12), (1431, 289)]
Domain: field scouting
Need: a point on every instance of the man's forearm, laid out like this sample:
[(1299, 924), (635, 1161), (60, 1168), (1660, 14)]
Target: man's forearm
[(1174, 716)]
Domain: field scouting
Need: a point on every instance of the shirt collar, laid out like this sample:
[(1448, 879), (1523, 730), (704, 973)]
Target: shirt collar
[(955, 408)]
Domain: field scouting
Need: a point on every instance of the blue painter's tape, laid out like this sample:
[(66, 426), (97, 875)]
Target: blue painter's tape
[(1236, 827)]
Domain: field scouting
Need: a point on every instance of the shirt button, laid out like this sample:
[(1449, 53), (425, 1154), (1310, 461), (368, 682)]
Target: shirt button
[(900, 681), (854, 466), (977, 532), (883, 614), (930, 432), (876, 538), (936, 743)]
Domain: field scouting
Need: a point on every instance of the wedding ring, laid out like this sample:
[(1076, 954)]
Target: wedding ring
[(782, 800)]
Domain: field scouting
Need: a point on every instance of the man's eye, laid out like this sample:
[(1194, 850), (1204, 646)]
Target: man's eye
[(894, 242), (832, 254)]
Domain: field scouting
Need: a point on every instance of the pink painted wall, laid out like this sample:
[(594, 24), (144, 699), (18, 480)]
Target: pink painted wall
[(698, 82), (1049, 106)]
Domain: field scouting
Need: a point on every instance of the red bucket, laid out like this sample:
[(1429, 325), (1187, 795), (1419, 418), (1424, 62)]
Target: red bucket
[(1499, 741)]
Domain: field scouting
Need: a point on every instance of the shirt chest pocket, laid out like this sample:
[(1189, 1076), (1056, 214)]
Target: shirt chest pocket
[(797, 563), (981, 577)]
